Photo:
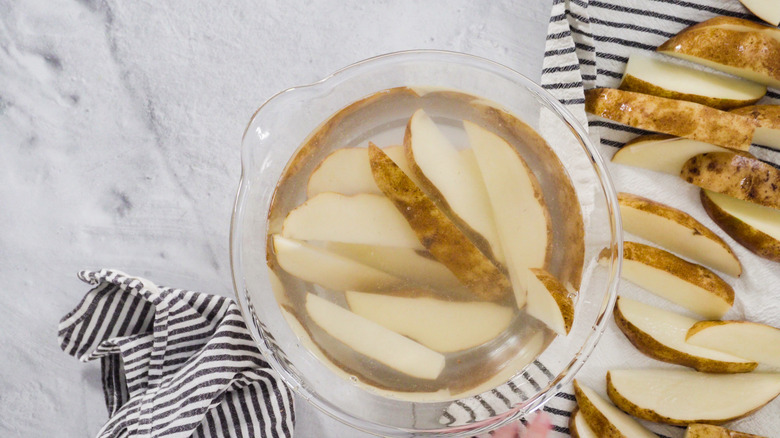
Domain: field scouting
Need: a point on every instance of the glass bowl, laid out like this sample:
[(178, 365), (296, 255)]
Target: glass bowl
[(285, 122)]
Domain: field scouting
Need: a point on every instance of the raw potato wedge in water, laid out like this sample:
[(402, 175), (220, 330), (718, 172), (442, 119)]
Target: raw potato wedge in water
[(689, 285), (433, 161), (330, 270), (753, 226), (751, 340), (710, 431), (445, 241), (444, 326), (735, 46), (767, 120), (604, 419), (735, 175), (648, 75), (549, 301), (372, 340), (663, 153), (678, 232), (363, 218), (669, 116), (660, 334), (347, 171), (682, 397)]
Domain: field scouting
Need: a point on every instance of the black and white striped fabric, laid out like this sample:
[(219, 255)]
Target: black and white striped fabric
[(175, 363)]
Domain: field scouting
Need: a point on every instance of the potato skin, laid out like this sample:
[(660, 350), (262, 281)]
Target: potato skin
[(669, 116), (595, 419), (438, 233), (758, 242), (710, 431), (633, 83), (765, 116), (735, 175)]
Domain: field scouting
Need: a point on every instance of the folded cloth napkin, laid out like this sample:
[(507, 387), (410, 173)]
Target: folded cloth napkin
[(175, 363), (588, 44)]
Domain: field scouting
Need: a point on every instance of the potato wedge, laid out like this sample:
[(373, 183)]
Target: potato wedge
[(753, 226), (751, 340), (669, 116), (346, 171), (767, 120), (735, 175), (735, 46), (710, 431), (604, 418), (445, 241), (653, 76)]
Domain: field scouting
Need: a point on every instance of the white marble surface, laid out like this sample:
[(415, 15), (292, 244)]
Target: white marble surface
[(120, 124)]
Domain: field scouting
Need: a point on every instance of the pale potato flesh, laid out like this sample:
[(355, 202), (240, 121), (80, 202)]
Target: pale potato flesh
[(645, 74), (682, 397), (754, 226), (445, 175), (439, 234), (661, 334), (330, 270), (669, 116), (745, 178), (363, 218), (371, 339), (753, 341), (347, 171), (668, 276), (443, 326), (604, 418), (710, 431), (549, 301), (579, 427), (767, 10), (518, 207), (741, 25), (678, 232), (662, 153), (404, 263)]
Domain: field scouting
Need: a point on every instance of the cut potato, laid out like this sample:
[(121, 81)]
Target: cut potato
[(689, 285), (330, 270), (439, 234), (682, 397), (754, 226), (660, 334), (669, 116), (579, 427), (518, 206), (652, 76), (347, 171), (766, 10), (662, 153), (767, 120), (753, 341), (443, 326), (735, 46), (676, 231), (604, 419), (405, 263), (549, 301), (371, 339), (745, 178), (364, 218), (710, 431), (450, 181)]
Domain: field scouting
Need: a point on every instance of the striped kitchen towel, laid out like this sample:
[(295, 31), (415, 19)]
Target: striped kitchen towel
[(175, 363)]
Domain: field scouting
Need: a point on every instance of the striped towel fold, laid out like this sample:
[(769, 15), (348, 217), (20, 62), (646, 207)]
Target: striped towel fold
[(175, 363)]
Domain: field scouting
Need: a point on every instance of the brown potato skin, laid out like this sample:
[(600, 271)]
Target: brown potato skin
[(595, 419), (648, 345), (754, 51), (630, 408), (437, 232), (633, 83), (758, 242), (735, 175), (675, 215), (765, 116), (683, 269), (669, 116), (710, 431), (559, 293)]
